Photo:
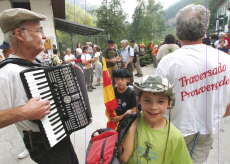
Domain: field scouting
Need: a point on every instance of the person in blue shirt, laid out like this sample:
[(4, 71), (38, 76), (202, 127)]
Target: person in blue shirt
[(89, 44), (118, 51), (222, 47)]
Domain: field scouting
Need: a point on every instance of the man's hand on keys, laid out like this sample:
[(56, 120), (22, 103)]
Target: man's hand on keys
[(35, 109)]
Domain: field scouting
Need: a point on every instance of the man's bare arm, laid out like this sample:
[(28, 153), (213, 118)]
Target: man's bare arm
[(227, 113), (32, 110)]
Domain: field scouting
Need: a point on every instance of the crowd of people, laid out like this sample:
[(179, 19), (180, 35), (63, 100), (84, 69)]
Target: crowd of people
[(179, 108)]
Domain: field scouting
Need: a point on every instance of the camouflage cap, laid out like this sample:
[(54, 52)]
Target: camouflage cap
[(155, 84)]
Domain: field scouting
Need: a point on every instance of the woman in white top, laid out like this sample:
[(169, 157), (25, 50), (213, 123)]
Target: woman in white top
[(88, 68), (79, 50), (69, 58), (46, 56), (98, 65)]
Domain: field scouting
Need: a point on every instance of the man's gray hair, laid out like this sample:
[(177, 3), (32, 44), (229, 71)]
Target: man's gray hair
[(68, 49), (8, 36), (222, 34), (125, 42), (191, 22)]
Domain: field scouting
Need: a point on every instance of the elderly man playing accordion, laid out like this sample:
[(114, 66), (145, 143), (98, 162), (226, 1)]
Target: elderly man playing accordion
[(22, 29)]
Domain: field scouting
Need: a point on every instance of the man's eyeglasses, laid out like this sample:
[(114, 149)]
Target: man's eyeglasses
[(39, 30)]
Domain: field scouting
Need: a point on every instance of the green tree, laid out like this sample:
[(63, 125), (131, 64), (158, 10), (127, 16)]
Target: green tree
[(79, 15), (147, 20), (213, 16), (111, 18)]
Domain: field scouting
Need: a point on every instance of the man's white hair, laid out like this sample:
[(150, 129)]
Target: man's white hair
[(68, 49), (125, 42), (9, 36), (222, 34), (191, 22)]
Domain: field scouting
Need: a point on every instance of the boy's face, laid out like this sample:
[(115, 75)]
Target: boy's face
[(222, 44), (153, 106), (121, 82)]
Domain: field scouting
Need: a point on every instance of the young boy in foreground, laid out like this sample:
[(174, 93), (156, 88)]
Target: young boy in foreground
[(126, 97), (158, 140)]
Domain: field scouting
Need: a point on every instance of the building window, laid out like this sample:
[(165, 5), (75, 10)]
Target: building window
[(24, 5)]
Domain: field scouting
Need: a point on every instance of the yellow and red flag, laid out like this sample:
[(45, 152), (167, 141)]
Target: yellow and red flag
[(109, 98)]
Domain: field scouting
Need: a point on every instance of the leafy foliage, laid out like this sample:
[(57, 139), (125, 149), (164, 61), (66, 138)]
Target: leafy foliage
[(173, 9), (111, 18), (148, 20), (79, 15)]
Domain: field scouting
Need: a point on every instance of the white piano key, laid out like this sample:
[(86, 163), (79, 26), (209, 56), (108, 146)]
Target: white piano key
[(33, 77), (46, 94), (52, 144), (50, 132), (44, 119), (39, 94), (50, 127), (50, 97), (33, 72), (51, 102), (36, 87), (40, 91), (47, 121), (35, 95), (54, 137), (31, 81), (36, 82)]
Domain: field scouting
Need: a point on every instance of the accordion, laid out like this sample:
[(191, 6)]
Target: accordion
[(64, 86)]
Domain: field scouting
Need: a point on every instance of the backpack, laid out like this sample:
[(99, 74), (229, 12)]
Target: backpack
[(141, 50), (52, 64), (103, 148), (100, 58), (79, 59)]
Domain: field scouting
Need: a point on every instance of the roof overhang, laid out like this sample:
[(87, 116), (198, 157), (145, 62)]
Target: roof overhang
[(218, 4), (75, 28)]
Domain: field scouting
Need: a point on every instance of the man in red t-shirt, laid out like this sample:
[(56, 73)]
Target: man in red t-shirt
[(228, 39)]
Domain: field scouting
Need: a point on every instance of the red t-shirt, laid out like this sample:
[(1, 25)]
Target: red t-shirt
[(228, 39)]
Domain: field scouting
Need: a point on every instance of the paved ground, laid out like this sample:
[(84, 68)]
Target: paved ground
[(11, 143)]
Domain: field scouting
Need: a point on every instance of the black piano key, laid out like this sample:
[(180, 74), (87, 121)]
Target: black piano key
[(43, 87), (39, 77), (42, 83), (46, 96), (50, 99), (60, 136), (51, 120), (52, 115), (52, 108), (57, 127), (44, 92), (55, 122), (58, 131), (35, 74)]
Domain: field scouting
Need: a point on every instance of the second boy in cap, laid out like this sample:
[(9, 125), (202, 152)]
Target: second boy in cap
[(125, 95)]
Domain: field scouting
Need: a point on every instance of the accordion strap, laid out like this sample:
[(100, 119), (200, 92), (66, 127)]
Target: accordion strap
[(21, 62)]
